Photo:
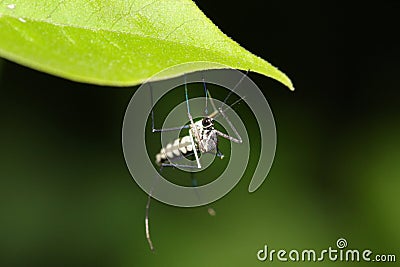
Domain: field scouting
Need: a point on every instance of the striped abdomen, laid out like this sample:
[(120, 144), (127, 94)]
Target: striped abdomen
[(180, 147)]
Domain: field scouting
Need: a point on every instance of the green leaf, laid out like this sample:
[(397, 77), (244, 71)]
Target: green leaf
[(117, 42)]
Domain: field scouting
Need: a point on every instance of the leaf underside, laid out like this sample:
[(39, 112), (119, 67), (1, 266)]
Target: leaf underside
[(117, 42)]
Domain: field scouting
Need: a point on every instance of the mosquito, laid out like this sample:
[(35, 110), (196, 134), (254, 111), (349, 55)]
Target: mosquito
[(202, 138)]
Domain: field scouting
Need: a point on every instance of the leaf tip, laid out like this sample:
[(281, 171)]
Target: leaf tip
[(287, 82)]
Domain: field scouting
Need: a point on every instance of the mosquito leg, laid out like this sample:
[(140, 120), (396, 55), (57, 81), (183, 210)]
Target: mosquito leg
[(170, 129), (238, 139), (215, 112), (192, 140), (146, 219), (193, 127), (207, 96), (153, 129), (206, 93), (178, 165), (219, 154), (230, 138), (146, 222), (234, 88)]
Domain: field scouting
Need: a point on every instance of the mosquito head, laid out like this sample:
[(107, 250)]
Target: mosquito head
[(207, 122)]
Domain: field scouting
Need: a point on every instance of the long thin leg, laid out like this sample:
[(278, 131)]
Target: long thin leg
[(206, 93), (230, 138), (146, 219), (234, 88), (233, 139), (216, 113), (219, 154), (170, 129), (222, 112), (174, 165), (193, 127), (152, 117), (178, 165), (146, 223)]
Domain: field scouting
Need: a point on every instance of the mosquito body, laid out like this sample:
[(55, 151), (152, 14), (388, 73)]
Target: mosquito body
[(205, 141), (202, 138)]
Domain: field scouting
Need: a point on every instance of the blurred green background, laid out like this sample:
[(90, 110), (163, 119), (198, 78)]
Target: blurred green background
[(67, 198)]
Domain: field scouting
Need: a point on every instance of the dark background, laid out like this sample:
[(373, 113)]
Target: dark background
[(67, 198)]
